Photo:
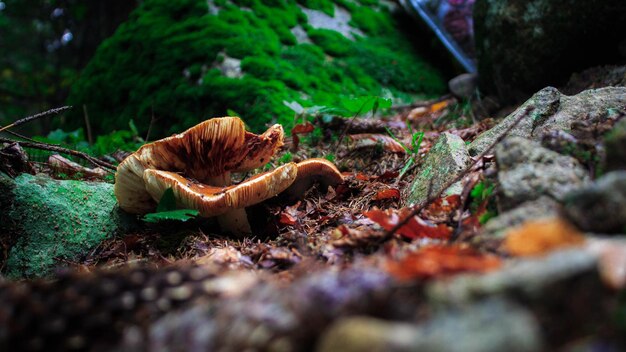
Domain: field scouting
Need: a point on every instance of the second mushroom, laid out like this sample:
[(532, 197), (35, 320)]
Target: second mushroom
[(197, 166)]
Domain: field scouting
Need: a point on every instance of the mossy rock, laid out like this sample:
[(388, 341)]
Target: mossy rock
[(52, 221), (524, 45), (165, 61)]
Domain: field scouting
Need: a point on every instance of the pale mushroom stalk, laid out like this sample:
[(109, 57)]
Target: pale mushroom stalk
[(235, 220)]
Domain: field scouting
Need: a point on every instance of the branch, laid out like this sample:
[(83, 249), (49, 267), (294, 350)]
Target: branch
[(56, 148), (418, 208), (36, 116)]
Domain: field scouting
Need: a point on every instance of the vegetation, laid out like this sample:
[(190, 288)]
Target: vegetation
[(163, 65)]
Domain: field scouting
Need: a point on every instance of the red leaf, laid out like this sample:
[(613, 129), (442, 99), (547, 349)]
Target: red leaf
[(287, 219), (414, 228), (391, 193), (440, 261), (302, 128), (442, 207)]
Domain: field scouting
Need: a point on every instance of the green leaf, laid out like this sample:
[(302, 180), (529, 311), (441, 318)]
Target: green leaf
[(177, 215), (167, 201)]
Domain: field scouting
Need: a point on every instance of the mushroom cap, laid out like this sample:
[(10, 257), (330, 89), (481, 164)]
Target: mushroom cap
[(310, 171), (212, 200), (208, 150)]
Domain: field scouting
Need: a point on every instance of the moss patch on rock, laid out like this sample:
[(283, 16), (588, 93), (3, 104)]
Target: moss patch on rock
[(165, 62), (56, 221)]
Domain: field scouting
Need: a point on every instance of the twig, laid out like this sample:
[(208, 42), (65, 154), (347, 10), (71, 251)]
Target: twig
[(418, 208), (87, 125), (55, 148), (20, 136), (36, 116), (151, 123)]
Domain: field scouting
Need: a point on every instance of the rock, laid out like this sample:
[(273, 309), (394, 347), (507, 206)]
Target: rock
[(464, 85), (615, 146), (596, 77), (589, 107), (445, 160), (543, 207), (600, 207), (522, 45), (492, 325), (51, 220), (527, 171), (550, 111), (563, 286), (543, 104)]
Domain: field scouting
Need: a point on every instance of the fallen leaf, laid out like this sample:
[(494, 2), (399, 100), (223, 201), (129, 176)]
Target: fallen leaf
[(414, 228), (302, 128), (441, 261), (537, 237), (391, 193), (442, 207), (287, 219), (368, 140)]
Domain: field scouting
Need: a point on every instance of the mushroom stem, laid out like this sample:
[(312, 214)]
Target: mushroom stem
[(235, 221)]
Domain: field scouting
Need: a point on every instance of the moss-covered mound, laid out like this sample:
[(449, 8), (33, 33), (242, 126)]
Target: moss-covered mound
[(183, 61)]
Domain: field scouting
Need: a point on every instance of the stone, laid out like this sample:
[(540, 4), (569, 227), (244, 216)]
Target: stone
[(543, 207), (615, 146), (590, 107), (492, 325), (463, 85), (527, 171), (563, 286), (601, 206), (523, 45), (543, 104), (445, 160), (52, 221)]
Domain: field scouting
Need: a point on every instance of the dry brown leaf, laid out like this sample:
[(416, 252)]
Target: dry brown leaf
[(539, 237), (368, 140)]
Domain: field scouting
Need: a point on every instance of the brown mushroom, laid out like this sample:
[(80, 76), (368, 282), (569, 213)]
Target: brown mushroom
[(207, 152), (227, 203), (311, 171), (197, 164)]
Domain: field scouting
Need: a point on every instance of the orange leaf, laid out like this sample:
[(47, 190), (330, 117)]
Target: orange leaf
[(539, 237), (439, 106), (414, 228), (440, 261), (391, 193), (287, 219)]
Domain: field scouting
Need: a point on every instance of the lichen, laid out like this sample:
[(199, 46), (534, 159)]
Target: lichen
[(163, 64)]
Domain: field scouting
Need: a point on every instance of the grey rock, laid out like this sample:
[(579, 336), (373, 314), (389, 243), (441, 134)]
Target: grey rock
[(590, 106), (527, 171), (492, 325), (601, 206), (542, 207), (445, 160), (615, 146), (563, 286), (523, 45), (51, 221), (538, 108), (550, 111), (464, 85)]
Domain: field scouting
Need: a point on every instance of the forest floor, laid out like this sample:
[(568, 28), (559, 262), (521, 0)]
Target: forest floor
[(339, 252)]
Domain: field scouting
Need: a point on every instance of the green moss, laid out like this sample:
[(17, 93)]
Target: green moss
[(164, 63), (79, 215), (333, 43)]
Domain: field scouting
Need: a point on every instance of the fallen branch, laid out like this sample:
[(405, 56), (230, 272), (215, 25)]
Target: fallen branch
[(419, 207), (56, 148), (36, 116)]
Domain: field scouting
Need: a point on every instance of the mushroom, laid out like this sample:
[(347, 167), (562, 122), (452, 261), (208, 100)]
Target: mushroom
[(197, 166), (312, 171), (206, 153)]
